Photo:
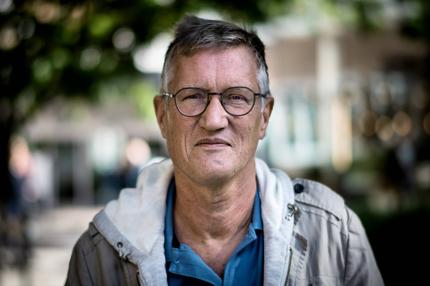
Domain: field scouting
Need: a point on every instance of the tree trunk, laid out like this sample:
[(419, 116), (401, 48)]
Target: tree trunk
[(6, 186)]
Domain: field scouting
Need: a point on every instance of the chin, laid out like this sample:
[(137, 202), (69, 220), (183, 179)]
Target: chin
[(213, 181), (214, 174)]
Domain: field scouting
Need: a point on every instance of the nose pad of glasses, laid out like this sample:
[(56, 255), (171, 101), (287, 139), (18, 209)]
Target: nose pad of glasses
[(218, 98), (214, 116)]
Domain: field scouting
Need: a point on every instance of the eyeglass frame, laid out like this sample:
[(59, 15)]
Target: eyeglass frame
[(209, 96)]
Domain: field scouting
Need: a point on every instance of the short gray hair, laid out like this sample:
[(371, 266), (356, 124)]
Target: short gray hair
[(194, 34)]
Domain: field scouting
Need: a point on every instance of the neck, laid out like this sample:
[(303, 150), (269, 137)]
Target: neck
[(213, 212), (214, 220)]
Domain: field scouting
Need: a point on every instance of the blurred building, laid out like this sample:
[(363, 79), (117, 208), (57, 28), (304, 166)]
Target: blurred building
[(325, 85), (347, 97), (94, 149)]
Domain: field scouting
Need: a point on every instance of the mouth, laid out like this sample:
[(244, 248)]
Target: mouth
[(212, 142)]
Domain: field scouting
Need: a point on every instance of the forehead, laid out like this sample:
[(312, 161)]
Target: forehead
[(215, 68)]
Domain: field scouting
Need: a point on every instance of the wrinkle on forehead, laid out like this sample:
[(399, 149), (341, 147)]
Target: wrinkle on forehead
[(214, 69)]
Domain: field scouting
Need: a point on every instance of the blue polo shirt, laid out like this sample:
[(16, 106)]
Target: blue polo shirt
[(185, 267)]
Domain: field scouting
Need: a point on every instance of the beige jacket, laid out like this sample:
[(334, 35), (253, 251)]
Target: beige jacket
[(310, 236)]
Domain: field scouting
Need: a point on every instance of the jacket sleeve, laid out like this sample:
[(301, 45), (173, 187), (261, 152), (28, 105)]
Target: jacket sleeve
[(78, 273), (361, 267)]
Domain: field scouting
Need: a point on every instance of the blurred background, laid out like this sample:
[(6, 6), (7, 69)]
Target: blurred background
[(350, 79)]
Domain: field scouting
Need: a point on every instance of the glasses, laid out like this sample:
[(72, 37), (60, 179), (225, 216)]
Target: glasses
[(193, 101)]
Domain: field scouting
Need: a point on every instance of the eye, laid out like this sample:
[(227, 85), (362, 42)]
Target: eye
[(236, 98), (191, 95)]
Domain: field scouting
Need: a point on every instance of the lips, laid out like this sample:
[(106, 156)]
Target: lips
[(212, 142)]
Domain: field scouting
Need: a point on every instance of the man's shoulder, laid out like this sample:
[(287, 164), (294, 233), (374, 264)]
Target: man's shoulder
[(89, 240), (312, 194)]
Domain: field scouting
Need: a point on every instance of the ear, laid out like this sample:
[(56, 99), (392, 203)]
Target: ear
[(160, 113), (265, 116)]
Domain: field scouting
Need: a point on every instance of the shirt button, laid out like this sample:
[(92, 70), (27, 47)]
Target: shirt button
[(298, 188)]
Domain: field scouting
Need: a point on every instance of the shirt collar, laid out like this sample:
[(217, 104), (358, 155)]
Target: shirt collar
[(168, 221), (257, 220)]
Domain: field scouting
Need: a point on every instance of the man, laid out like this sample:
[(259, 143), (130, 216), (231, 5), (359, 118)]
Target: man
[(213, 214)]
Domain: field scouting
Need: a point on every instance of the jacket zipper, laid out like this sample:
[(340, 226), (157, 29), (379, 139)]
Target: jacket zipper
[(292, 211), (289, 266), (124, 256), (138, 277)]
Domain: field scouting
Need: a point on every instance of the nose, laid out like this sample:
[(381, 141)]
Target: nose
[(214, 117)]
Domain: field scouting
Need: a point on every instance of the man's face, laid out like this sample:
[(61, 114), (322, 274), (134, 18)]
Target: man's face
[(214, 146)]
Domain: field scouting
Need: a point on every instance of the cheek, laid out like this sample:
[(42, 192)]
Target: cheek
[(178, 135), (170, 134), (250, 135)]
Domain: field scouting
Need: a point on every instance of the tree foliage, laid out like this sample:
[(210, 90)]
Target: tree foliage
[(65, 48)]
